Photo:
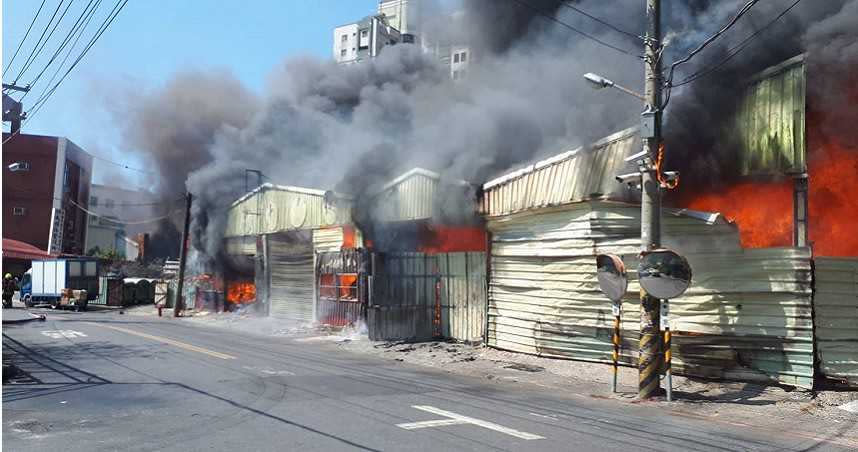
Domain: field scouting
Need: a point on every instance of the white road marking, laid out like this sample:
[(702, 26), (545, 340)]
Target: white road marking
[(59, 334), (458, 419)]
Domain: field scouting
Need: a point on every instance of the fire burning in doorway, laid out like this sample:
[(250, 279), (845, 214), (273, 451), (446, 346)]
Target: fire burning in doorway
[(241, 292)]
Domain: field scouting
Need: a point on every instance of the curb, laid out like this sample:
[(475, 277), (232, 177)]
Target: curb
[(39, 317)]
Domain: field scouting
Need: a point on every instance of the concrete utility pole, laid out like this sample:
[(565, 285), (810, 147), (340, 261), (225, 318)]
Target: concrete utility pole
[(650, 362), (183, 258)]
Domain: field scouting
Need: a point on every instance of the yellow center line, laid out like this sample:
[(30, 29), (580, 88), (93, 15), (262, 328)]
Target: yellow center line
[(181, 345)]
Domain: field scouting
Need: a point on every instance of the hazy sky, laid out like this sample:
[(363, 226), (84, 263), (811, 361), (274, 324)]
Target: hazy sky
[(152, 39)]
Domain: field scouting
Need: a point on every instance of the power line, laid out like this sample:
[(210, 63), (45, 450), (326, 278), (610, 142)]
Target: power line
[(732, 52), (605, 23), (669, 83), (120, 4), (38, 197), (38, 49), (70, 50), (76, 29), (570, 27), (114, 220), (21, 44)]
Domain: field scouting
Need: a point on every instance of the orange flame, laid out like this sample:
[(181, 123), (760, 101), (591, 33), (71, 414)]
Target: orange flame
[(764, 210), (833, 200), (241, 292)]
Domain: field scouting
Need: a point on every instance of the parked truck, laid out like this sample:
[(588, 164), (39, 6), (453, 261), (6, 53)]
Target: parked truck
[(61, 282)]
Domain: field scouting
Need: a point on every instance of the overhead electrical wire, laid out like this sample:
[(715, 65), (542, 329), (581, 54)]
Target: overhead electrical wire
[(41, 44), (735, 50), (669, 82), (119, 221), (120, 4), (76, 30), (38, 196), (21, 44), (570, 27), (603, 22)]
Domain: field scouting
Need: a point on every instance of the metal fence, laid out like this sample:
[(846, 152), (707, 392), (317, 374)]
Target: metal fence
[(418, 296), (836, 309)]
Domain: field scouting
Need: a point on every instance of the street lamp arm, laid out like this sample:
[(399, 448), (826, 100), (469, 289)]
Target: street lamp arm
[(630, 92)]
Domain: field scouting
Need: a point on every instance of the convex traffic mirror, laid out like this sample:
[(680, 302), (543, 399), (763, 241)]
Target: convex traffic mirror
[(611, 274), (664, 274)]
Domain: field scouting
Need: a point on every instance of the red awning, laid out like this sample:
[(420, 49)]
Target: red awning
[(14, 249)]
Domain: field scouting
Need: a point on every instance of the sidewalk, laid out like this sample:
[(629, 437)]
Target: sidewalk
[(691, 395)]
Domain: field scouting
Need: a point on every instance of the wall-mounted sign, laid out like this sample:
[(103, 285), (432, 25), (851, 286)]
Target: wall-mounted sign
[(55, 236)]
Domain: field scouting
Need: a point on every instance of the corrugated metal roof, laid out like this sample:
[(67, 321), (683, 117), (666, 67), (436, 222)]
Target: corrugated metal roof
[(275, 208), (581, 174), (746, 316), (836, 304)]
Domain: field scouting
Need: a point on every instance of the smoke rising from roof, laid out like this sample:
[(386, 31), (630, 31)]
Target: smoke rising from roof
[(355, 127)]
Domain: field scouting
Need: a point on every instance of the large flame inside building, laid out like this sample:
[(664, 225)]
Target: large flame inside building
[(764, 210), (241, 292)]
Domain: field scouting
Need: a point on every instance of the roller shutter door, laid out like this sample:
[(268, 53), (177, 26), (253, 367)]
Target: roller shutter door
[(292, 279)]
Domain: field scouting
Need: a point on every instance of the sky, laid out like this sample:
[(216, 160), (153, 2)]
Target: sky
[(148, 42)]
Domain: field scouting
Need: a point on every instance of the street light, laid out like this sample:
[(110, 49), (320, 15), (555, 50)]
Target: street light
[(599, 82)]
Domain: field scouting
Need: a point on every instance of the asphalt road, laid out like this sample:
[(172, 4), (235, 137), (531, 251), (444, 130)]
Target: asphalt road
[(103, 381)]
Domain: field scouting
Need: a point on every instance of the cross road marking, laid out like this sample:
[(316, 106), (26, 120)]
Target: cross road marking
[(59, 334), (182, 345), (458, 419)]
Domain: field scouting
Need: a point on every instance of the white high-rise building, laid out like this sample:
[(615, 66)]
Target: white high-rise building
[(363, 39)]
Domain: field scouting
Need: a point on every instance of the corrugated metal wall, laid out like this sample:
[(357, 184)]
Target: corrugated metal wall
[(328, 239), (463, 296), (274, 209), (569, 177), (747, 315), (408, 289), (771, 120), (836, 306), (412, 198)]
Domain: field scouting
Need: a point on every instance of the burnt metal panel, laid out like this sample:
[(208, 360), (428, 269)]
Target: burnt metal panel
[(836, 308), (771, 121), (747, 315), (418, 296)]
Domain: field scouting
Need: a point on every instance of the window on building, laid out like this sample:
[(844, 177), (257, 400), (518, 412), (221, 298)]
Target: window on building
[(455, 75), (93, 201), (464, 57), (364, 33), (108, 203), (343, 52), (19, 211), (344, 38), (455, 57)]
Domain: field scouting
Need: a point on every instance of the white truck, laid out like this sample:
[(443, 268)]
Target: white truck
[(50, 279)]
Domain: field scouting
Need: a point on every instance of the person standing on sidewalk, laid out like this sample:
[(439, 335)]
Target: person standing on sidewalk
[(9, 288)]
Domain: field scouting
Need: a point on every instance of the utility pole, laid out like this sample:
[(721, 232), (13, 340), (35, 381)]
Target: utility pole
[(650, 362), (183, 258)]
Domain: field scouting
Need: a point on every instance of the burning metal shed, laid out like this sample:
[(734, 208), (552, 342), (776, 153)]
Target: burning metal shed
[(747, 315), (282, 229), (428, 259)]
